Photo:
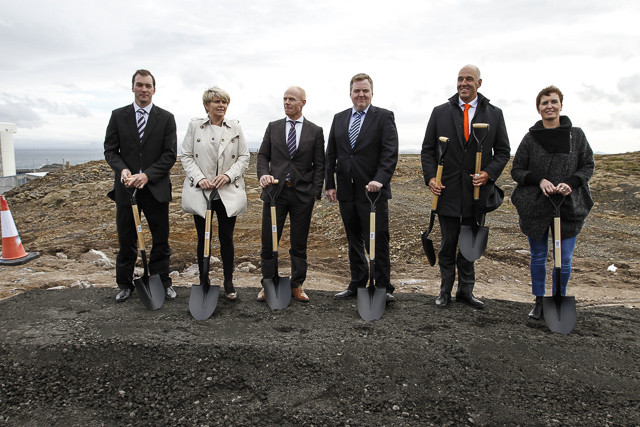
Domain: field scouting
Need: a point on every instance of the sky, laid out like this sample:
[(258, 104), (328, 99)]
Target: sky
[(67, 64)]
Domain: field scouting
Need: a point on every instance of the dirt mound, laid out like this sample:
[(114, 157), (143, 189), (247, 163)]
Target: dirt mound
[(75, 358)]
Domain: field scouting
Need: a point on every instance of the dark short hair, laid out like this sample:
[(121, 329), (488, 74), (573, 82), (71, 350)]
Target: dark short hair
[(548, 91), (359, 77), (143, 73)]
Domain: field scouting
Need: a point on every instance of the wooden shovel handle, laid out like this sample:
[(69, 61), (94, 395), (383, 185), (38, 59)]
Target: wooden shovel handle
[(556, 242), (207, 234), (480, 125), (434, 204), (372, 236), (476, 190), (136, 219), (274, 229)]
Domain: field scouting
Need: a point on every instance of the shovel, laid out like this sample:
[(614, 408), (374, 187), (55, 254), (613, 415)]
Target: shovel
[(559, 311), (372, 300), (150, 290), (473, 238), (204, 297), (427, 243), (277, 290)]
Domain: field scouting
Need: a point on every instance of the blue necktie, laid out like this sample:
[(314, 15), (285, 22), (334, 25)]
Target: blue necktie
[(291, 139), (355, 129), (142, 122)]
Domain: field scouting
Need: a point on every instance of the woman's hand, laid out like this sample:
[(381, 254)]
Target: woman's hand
[(205, 184), (547, 187), (220, 180), (563, 189)]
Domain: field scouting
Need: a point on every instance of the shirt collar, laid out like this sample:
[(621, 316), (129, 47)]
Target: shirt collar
[(300, 119), (207, 121), (474, 103), (365, 111), (136, 107)]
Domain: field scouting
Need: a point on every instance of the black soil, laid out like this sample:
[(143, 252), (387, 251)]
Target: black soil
[(76, 358)]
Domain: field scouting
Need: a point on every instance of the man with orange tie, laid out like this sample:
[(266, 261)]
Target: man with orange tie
[(454, 120)]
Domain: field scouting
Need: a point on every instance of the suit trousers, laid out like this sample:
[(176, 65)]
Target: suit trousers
[(299, 222), (226, 225), (448, 260), (355, 216), (157, 215)]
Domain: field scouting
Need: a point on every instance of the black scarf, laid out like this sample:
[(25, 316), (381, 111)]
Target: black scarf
[(556, 140)]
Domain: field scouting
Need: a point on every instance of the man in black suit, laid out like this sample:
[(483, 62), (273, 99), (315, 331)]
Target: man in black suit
[(362, 150), (455, 202), (292, 152), (140, 147)]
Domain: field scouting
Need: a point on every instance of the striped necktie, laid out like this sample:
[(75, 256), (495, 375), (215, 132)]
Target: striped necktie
[(355, 129), (142, 122), (291, 139)]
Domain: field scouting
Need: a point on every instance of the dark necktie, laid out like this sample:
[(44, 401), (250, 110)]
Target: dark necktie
[(142, 122), (355, 129), (291, 139)]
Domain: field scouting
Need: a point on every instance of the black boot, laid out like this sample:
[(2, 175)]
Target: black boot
[(536, 311)]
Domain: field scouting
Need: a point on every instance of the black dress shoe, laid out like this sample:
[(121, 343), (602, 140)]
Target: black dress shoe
[(443, 299), (345, 294), (123, 295), (390, 297), (469, 299), (170, 293)]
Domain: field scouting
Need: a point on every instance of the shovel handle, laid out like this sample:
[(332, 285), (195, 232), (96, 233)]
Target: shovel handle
[(372, 236), (434, 204), (476, 190), (207, 234), (556, 242), (274, 230), (136, 219), (443, 139), (480, 125)]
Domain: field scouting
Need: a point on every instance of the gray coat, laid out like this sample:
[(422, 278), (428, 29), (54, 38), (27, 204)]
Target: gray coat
[(533, 162)]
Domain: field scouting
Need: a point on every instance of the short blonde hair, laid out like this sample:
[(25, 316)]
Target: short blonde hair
[(214, 92), (359, 77)]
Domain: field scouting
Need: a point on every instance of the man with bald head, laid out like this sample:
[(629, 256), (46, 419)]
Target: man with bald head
[(292, 152), (454, 120)]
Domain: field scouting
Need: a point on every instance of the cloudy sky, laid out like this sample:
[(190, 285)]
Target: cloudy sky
[(66, 64)]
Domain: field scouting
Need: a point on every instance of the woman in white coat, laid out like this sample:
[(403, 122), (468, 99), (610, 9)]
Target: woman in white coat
[(215, 155)]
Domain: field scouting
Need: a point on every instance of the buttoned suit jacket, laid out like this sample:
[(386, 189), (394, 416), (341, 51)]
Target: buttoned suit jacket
[(373, 158), (306, 166), (155, 155)]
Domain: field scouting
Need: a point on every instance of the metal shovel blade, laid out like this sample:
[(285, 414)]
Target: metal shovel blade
[(202, 302), (277, 292), (560, 315), (429, 251), (371, 302), (151, 293), (473, 244)]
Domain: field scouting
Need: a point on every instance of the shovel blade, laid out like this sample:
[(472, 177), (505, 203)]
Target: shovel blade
[(202, 302), (277, 292), (150, 290), (473, 244), (429, 251), (371, 302), (559, 316)]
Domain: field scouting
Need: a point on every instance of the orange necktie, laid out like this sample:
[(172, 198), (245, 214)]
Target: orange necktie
[(466, 121)]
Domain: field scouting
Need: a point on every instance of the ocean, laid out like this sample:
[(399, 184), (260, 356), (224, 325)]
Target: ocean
[(35, 159)]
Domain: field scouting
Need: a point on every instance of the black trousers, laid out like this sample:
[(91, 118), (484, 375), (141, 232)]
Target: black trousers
[(448, 259), (157, 215), (287, 203), (226, 225), (355, 216)]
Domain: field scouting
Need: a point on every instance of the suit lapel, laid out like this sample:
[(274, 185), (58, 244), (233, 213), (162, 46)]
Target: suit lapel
[(153, 119), (130, 118), (368, 119), (456, 114), (304, 135)]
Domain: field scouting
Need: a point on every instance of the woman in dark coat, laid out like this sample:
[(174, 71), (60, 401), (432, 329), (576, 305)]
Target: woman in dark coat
[(553, 160)]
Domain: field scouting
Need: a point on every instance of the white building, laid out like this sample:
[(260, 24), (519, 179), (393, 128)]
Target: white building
[(7, 153)]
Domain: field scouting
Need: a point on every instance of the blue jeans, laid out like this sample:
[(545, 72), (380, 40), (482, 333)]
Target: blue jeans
[(538, 263)]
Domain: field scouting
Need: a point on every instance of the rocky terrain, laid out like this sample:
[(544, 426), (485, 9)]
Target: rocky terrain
[(70, 356)]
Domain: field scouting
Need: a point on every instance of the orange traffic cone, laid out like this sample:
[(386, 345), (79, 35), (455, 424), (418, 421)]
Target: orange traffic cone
[(12, 251)]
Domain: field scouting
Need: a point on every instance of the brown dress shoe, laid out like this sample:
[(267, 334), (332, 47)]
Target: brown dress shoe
[(261, 295), (299, 295)]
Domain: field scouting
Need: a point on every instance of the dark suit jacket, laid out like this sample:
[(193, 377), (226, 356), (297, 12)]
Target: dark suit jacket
[(447, 120), (306, 166), (373, 158), (154, 155)]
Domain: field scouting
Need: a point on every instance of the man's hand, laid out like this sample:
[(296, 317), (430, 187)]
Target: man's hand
[(266, 180), (435, 188), (124, 176), (138, 180), (374, 187), (480, 179), (331, 195)]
